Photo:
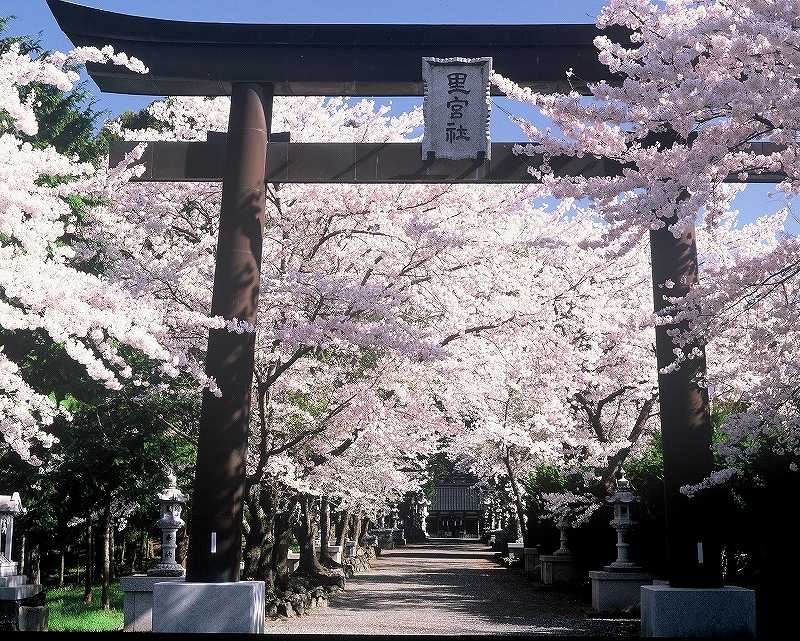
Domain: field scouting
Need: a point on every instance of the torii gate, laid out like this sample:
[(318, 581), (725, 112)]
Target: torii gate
[(253, 63)]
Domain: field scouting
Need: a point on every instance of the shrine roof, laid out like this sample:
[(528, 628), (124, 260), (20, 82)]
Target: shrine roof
[(205, 58)]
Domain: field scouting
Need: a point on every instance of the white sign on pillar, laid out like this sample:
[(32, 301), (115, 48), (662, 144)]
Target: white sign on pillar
[(456, 108)]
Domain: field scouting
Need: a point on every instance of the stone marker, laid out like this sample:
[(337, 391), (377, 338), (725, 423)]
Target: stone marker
[(559, 567), (33, 618), (617, 586), (137, 604), (728, 612), (209, 607), (531, 566), (15, 591)]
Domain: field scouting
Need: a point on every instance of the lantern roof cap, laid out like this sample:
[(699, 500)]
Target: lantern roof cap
[(10, 504), (171, 492), (623, 493)]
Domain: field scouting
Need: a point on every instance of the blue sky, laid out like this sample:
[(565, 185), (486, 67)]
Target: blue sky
[(34, 17)]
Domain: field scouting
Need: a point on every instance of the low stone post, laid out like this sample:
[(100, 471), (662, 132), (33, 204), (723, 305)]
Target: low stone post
[(137, 601), (172, 501), (559, 567), (10, 506), (618, 585), (14, 588)]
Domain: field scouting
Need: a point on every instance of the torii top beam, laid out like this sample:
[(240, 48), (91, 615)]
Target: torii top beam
[(204, 58)]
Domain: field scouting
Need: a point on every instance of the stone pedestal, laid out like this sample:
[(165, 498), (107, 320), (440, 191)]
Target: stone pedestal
[(698, 612), (531, 565), (293, 560), (558, 569), (11, 580), (19, 592), (209, 607), (614, 591), (335, 553), (515, 551), (137, 602)]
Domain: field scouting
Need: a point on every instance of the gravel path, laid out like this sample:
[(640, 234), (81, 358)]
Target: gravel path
[(450, 589)]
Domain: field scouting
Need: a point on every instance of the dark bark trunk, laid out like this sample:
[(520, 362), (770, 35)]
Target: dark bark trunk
[(136, 560), (22, 554), (107, 534), (182, 551), (305, 533), (357, 523), (36, 564), (324, 527), (280, 550), (113, 551), (519, 504), (341, 527), (61, 568), (87, 585), (363, 532), (260, 539)]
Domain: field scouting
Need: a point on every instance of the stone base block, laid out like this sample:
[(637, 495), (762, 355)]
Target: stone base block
[(7, 568), (558, 569), (12, 580), (335, 553), (515, 551), (209, 607), (617, 590), (137, 603), (19, 592), (698, 612), (531, 566)]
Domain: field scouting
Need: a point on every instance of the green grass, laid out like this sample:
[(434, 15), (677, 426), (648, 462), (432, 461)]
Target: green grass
[(68, 612)]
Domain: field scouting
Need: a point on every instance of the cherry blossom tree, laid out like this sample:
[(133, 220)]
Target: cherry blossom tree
[(46, 287), (707, 92)]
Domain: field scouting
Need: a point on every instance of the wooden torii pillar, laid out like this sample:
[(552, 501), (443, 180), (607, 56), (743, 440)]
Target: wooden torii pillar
[(251, 63)]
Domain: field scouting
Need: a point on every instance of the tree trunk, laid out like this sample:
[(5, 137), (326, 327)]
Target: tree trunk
[(123, 548), (114, 572), (305, 533), (279, 560), (341, 528), (22, 556), (145, 550), (519, 504), (324, 527), (364, 528), (357, 523), (107, 534), (260, 538), (87, 585), (36, 564), (136, 560), (61, 568)]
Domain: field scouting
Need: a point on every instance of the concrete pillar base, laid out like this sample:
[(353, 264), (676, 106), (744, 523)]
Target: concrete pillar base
[(558, 569), (531, 565), (698, 612), (209, 607), (137, 602), (617, 590)]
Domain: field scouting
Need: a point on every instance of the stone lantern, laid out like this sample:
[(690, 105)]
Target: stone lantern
[(10, 506), (172, 501), (14, 588), (559, 568), (618, 585), (623, 500), (138, 589)]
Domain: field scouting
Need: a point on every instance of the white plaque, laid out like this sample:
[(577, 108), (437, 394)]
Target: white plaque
[(456, 107)]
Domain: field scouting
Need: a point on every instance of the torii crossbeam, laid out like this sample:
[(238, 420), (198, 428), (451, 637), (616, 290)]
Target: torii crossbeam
[(251, 63)]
